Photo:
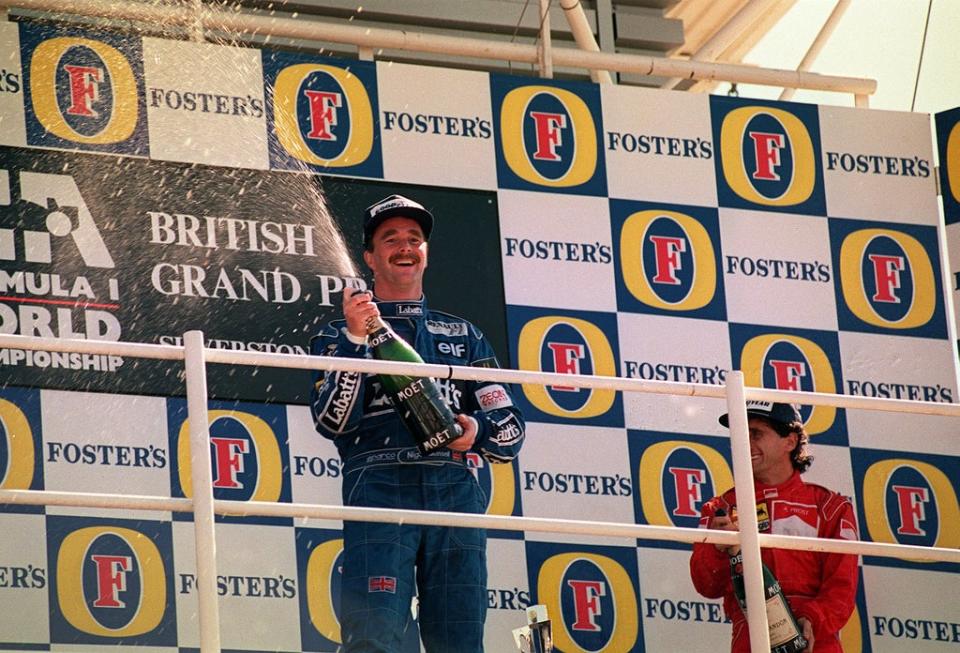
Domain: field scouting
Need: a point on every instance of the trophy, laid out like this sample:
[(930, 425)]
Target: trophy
[(535, 637)]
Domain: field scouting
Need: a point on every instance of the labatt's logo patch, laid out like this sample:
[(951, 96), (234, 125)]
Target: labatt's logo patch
[(83, 91), (668, 260), (549, 137), (595, 600), (245, 457), (887, 279), (788, 362), (323, 115), (566, 345), (911, 502), (768, 157), (111, 582)]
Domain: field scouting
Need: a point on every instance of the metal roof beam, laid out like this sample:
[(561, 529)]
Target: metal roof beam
[(365, 37)]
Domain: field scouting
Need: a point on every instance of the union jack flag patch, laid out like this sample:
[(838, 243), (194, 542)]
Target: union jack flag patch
[(382, 584)]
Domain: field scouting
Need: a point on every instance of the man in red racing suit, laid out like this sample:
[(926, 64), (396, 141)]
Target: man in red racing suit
[(820, 587)]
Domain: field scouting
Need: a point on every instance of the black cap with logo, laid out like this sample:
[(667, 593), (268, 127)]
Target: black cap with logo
[(391, 207), (773, 411)]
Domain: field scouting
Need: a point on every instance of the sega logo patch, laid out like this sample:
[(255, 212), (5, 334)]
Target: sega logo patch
[(455, 349), (447, 328), (493, 397)]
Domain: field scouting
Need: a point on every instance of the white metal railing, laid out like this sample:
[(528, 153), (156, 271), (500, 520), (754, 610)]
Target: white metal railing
[(204, 506), (199, 20)]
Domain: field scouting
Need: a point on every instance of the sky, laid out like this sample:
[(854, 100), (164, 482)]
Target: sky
[(880, 39)]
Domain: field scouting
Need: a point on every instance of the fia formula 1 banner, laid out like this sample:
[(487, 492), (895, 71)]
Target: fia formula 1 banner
[(124, 249), (151, 186), (107, 248)]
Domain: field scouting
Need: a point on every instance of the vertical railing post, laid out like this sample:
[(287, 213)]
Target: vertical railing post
[(746, 509), (201, 480), (197, 34), (544, 53)]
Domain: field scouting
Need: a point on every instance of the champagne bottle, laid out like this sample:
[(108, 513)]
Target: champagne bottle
[(785, 633), (416, 398)]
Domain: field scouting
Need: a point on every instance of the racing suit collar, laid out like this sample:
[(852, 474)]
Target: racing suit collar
[(769, 491), (407, 308)]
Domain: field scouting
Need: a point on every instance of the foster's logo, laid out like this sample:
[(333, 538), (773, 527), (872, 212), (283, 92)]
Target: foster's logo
[(111, 583), (953, 162), (566, 345), (548, 136), (83, 91), (323, 115), (245, 455), (784, 361), (887, 279), (676, 477), (768, 156), (595, 600), (948, 144), (667, 259), (18, 448), (910, 501), (497, 482), (323, 582)]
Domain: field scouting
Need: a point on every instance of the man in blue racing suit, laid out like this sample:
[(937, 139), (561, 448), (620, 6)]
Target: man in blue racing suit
[(384, 563)]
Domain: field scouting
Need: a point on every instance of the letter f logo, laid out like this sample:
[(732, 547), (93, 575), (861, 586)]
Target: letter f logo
[(788, 374), (228, 461), (687, 483), (566, 360), (549, 136), (886, 276), (84, 90), (911, 502), (111, 579), (667, 251), (586, 603), (766, 148), (323, 114)]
